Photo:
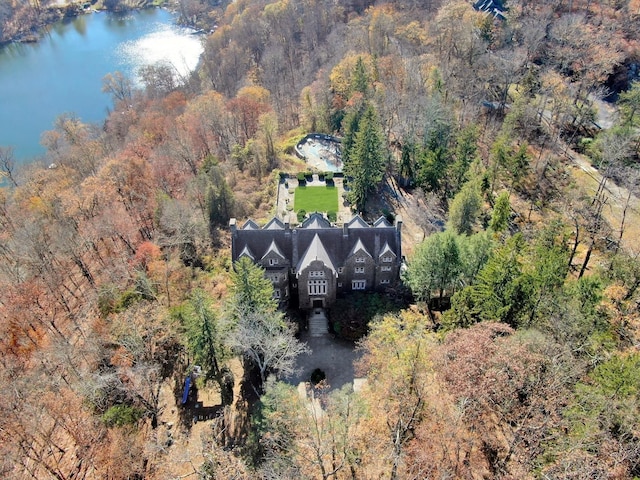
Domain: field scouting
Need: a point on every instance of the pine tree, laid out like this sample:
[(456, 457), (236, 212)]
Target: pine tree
[(464, 209), (465, 152), (360, 80), (350, 127), (250, 290), (501, 212), (366, 163), (203, 333), (629, 103)]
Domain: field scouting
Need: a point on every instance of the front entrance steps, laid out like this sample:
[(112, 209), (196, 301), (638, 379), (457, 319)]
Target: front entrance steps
[(318, 323)]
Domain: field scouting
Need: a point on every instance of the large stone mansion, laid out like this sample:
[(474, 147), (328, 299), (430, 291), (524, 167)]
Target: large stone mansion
[(316, 261)]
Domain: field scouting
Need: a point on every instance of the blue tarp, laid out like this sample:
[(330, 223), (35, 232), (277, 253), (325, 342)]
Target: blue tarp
[(187, 386)]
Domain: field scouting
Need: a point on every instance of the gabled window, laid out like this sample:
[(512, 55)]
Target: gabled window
[(316, 274), (359, 270), (273, 261), (358, 284), (340, 270), (384, 280), (387, 259), (360, 259), (385, 268)]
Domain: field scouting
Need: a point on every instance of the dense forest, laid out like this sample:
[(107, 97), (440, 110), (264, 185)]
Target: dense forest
[(510, 145)]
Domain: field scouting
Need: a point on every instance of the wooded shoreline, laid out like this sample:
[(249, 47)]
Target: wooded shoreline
[(31, 32)]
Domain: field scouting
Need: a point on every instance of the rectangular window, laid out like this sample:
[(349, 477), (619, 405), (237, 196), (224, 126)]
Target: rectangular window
[(359, 270), (316, 274), (317, 287), (273, 261), (387, 259), (385, 268), (360, 259), (384, 280), (339, 284), (358, 284), (340, 270), (276, 293)]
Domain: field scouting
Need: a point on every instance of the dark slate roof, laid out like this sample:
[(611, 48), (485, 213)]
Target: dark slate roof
[(274, 248), (250, 225), (316, 220), (387, 249), (381, 222), (338, 242), (247, 251), (492, 7), (359, 247), (315, 251), (358, 222), (274, 224)]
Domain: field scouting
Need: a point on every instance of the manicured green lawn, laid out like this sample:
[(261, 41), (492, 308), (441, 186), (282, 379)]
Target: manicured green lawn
[(316, 199)]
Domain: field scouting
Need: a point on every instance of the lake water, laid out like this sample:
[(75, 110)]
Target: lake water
[(63, 72)]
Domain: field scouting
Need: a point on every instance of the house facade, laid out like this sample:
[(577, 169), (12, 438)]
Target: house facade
[(316, 261)]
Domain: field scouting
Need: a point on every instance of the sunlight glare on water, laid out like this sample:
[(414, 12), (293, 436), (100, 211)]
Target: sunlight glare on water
[(63, 72), (165, 45)]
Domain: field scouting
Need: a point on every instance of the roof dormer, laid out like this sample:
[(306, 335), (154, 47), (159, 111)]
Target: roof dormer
[(274, 224), (316, 221), (246, 253), (387, 252), (359, 250), (381, 222), (315, 252), (250, 225), (273, 252), (357, 222)]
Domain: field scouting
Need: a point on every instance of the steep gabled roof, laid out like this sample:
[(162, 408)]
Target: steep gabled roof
[(273, 248), (250, 225), (494, 8), (246, 252), (316, 221), (387, 249), (316, 251), (381, 222), (359, 247), (274, 224), (357, 222), (337, 243)]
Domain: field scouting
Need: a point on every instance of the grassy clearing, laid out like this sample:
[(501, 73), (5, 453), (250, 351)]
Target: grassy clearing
[(316, 199)]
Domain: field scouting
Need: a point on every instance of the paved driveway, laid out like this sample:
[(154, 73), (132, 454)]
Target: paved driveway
[(333, 356)]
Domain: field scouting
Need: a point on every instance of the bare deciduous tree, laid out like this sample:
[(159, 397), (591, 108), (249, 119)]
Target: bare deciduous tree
[(268, 341)]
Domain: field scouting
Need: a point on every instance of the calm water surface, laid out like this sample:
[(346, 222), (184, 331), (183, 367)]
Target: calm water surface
[(63, 72)]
